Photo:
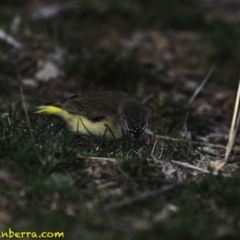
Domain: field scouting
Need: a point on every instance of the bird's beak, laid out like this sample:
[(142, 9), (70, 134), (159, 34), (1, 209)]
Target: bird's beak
[(136, 138)]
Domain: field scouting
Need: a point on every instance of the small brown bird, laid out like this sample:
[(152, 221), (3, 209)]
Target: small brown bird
[(110, 114)]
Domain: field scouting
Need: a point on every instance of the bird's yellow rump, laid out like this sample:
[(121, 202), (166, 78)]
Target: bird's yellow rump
[(80, 124)]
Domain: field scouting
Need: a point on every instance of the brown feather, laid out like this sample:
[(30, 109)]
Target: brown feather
[(96, 106)]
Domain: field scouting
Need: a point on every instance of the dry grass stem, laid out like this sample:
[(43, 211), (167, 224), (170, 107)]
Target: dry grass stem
[(201, 85), (190, 166), (152, 152), (234, 125), (192, 142), (10, 40), (184, 128), (113, 160), (218, 165), (29, 127)]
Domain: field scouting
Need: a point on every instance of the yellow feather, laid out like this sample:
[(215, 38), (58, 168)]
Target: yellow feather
[(50, 110), (82, 125)]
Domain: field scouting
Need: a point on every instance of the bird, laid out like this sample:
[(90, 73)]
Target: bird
[(113, 115)]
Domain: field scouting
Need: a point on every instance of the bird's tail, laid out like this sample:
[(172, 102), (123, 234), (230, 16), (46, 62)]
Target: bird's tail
[(31, 110), (45, 109)]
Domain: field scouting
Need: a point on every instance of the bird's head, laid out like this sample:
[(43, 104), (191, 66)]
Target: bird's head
[(133, 117)]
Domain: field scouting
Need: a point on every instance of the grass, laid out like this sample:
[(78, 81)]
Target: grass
[(70, 189)]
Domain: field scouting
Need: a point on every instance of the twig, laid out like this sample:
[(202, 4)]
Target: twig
[(192, 142), (140, 197)]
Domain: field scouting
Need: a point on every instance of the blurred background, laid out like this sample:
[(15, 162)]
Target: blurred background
[(56, 48)]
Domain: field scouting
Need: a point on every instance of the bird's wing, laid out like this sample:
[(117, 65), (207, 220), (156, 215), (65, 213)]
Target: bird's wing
[(96, 106)]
